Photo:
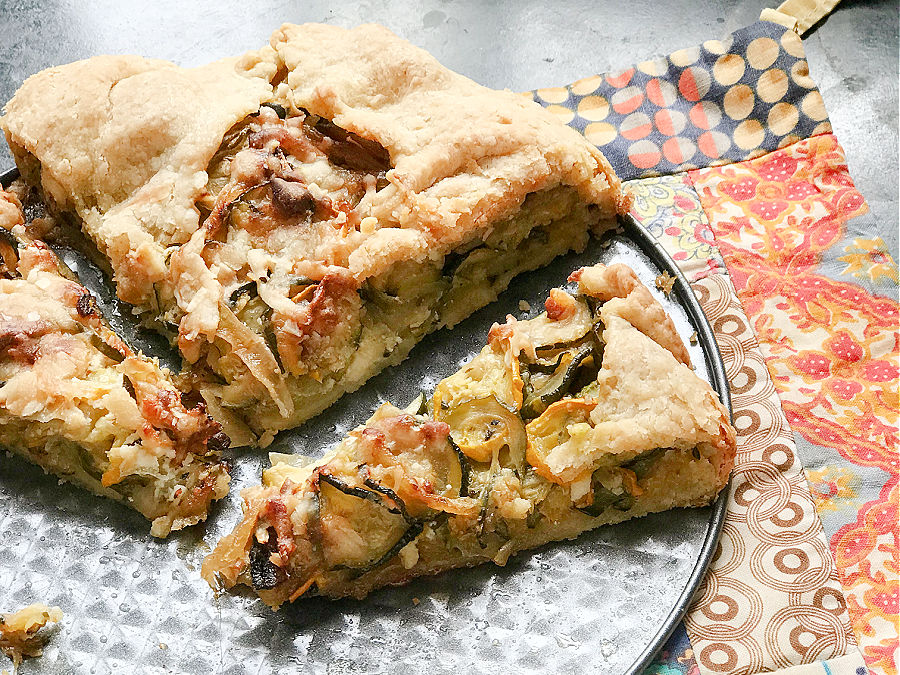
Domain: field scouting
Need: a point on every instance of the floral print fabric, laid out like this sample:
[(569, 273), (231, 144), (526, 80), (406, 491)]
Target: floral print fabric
[(831, 346)]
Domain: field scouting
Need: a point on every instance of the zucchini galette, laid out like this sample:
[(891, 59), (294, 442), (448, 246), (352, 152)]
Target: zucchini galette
[(78, 402), (298, 218), (586, 415)]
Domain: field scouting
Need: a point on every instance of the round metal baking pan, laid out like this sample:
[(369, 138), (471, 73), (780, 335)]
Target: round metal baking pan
[(605, 602)]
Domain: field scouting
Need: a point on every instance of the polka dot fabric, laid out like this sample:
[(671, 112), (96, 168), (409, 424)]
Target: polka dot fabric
[(722, 102)]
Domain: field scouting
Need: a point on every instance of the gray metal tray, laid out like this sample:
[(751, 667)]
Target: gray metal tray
[(603, 603)]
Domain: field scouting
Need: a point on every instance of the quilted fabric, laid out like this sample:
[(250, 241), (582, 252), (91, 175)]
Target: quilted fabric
[(736, 171)]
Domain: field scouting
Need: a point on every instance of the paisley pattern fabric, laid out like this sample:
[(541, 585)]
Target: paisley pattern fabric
[(832, 350), (735, 170), (670, 209)]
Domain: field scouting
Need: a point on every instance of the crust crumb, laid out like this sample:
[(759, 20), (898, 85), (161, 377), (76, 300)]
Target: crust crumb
[(19, 637), (665, 282), (524, 306)]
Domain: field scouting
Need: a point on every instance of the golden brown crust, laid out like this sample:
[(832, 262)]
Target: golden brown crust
[(19, 637), (463, 155), (10, 211), (643, 399), (130, 153)]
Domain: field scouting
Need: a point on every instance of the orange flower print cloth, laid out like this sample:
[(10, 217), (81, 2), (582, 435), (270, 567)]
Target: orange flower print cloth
[(781, 223)]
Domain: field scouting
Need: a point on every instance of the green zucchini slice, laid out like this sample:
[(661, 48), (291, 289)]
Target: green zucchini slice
[(642, 463), (264, 574), (605, 499), (358, 529), (540, 391), (9, 254), (481, 427), (418, 406)]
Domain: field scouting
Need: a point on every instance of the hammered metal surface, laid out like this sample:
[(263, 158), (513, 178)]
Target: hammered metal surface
[(136, 604)]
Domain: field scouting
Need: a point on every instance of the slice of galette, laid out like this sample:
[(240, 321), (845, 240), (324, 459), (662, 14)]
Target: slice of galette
[(584, 416), (78, 402)]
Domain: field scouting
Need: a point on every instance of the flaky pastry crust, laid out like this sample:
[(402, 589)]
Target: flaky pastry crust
[(129, 157), (297, 218)]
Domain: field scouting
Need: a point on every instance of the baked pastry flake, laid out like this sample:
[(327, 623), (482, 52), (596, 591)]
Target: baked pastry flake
[(19, 631)]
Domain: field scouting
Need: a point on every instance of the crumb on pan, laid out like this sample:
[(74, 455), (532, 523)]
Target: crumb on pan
[(19, 637), (524, 306), (665, 282)]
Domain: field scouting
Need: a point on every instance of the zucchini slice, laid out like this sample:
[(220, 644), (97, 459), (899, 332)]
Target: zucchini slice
[(482, 426), (395, 504), (9, 254), (605, 499), (264, 574), (642, 463), (423, 467), (248, 289), (540, 392), (464, 467), (358, 530), (418, 406)]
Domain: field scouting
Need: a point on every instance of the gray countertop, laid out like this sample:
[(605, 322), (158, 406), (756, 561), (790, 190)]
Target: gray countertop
[(520, 44)]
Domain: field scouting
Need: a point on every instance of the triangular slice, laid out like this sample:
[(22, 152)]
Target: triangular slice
[(586, 415), (78, 402)]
